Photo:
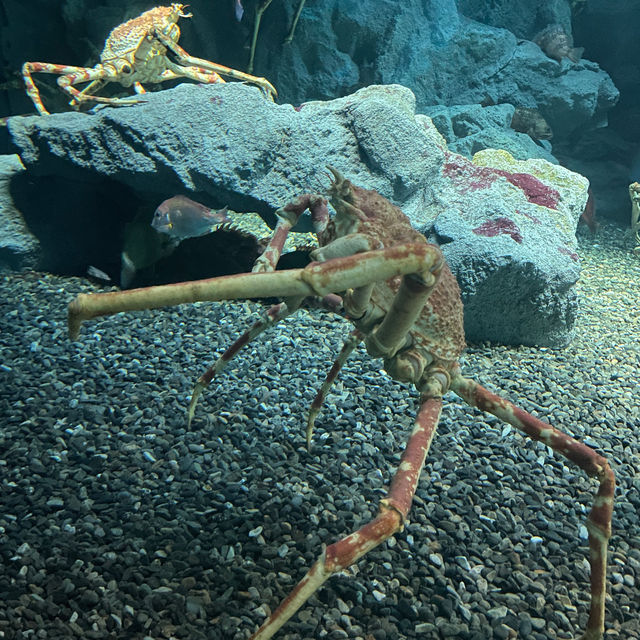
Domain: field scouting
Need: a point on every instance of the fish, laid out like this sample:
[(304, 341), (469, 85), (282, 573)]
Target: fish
[(556, 43), (180, 218), (239, 9), (531, 122), (143, 247), (588, 216), (98, 274)]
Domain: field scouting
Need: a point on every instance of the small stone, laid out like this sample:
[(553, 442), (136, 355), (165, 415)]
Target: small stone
[(89, 598), (497, 613), (538, 624), (436, 559), (343, 607)]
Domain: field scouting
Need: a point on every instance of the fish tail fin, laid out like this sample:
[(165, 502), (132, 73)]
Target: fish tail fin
[(221, 214), (127, 270), (576, 54)]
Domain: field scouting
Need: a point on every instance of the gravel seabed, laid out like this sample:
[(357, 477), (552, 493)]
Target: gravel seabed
[(117, 522)]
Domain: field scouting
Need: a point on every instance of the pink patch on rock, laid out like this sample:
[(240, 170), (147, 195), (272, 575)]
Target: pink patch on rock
[(534, 190), (470, 177), (528, 215), (467, 175), (567, 252), (499, 226)]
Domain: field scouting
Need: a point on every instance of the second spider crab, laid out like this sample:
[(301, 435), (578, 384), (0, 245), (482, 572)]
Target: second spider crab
[(141, 51), (634, 194), (397, 290)]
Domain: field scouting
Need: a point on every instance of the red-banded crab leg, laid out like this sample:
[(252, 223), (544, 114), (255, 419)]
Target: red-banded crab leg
[(69, 75), (599, 520), (288, 217), (354, 339), (316, 279), (390, 519), (184, 58), (273, 315)]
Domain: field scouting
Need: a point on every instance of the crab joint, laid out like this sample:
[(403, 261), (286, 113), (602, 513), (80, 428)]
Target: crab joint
[(407, 305), (407, 366)]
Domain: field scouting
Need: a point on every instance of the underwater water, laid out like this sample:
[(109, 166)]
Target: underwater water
[(118, 518), (117, 521)]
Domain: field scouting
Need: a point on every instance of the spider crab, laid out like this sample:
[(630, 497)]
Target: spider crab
[(398, 291), (142, 50), (634, 194)]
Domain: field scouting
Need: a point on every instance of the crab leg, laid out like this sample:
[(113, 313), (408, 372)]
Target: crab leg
[(193, 73), (201, 63), (354, 339), (288, 217), (294, 24), (273, 315), (67, 81), (260, 9), (390, 519), (316, 279), (599, 520), (76, 74)]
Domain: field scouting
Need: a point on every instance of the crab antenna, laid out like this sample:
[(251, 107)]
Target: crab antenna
[(337, 176)]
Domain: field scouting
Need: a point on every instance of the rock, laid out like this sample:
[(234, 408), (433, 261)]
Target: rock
[(18, 246), (471, 128), (528, 228), (507, 226), (521, 17), (452, 59)]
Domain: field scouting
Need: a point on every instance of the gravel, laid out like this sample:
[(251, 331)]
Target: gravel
[(117, 522)]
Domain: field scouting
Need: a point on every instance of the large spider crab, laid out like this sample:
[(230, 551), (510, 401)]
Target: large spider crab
[(405, 304), (142, 50)]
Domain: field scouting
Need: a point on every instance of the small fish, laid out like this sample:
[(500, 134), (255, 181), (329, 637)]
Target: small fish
[(558, 44), (239, 10), (588, 216), (531, 122), (180, 217), (98, 274)]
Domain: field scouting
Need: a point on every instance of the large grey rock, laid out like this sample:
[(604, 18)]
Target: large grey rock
[(508, 233), (19, 248), (228, 145), (241, 150)]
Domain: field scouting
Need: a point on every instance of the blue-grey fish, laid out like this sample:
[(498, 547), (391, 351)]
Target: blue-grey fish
[(180, 217), (98, 274)]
